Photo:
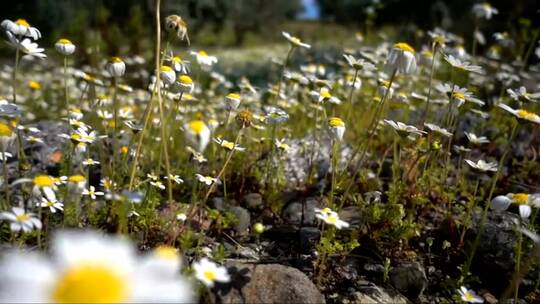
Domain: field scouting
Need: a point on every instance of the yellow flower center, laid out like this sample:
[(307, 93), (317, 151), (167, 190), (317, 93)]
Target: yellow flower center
[(325, 93), (197, 126), (76, 179), (22, 22), (295, 41), (202, 54), (64, 41), (177, 59), (165, 68), (468, 296), (116, 60), (326, 210), (233, 96), (385, 83), (5, 130), (336, 122), (404, 47), (521, 198), (210, 275), (526, 114), (332, 219), (43, 181), (34, 85), (90, 283), (22, 217), (166, 252), (458, 95), (227, 144), (185, 79)]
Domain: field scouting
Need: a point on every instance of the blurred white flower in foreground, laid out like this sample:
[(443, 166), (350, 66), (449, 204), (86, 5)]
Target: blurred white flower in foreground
[(209, 272)]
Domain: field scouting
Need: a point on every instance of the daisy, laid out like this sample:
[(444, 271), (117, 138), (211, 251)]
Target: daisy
[(400, 59), (21, 28), (438, 129), (175, 178), (65, 47), (7, 136), (198, 134), (209, 272), (203, 59), (184, 84), (116, 67), (53, 205), (168, 76), (232, 101), (181, 217), (92, 192), (462, 65), (521, 94), (207, 180), (477, 140), (44, 185), (336, 127), (521, 114), (324, 95), (523, 200), (90, 162), (484, 10), (228, 145), (20, 220), (358, 64), (469, 296), (179, 65), (295, 42), (402, 129), (197, 156), (31, 49), (330, 217), (87, 267), (458, 95), (482, 165), (275, 115), (281, 145), (158, 184)]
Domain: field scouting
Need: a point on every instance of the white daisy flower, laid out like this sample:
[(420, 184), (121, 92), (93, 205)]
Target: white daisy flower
[(209, 272)]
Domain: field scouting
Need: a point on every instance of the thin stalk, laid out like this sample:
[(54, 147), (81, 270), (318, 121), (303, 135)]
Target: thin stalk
[(333, 161), (518, 262), (470, 209), (289, 53), (6, 181), (530, 49), (432, 71), (15, 71), (349, 103), (65, 84)]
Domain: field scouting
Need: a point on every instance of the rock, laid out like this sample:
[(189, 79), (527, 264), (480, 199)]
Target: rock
[(253, 201), (243, 219), (369, 293), (296, 213), (270, 283), (217, 203), (409, 279), (351, 215), (308, 238)]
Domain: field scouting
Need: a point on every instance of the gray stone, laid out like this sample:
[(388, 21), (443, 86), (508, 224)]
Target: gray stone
[(369, 293), (270, 283), (253, 201), (243, 219), (309, 236), (298, 213), (217, 203), (409, 279)]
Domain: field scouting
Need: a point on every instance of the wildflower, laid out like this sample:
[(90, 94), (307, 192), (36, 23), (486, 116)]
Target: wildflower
[(31, 49), (183, 84), (232, 101), (484, 10), (324, 95), (198, 133), (469, 296), (258, 228), (7, 136), (358, 64), (295, 42), (438, 38), (53, 204), (21, 28), (77, 183), (458, 95), (92, 193), (65, 47), (521, 94), (5, 156), (209, 272), (244, 118), (87, 267), (181, 217), (461, 149), (20, 220), (46, 184), (463, 65), (521, 114), (228, 145), (180, 65), (175, 178), (482, 165), (438, 129), (336, 127), (204, 59), (168, 76), (116, 67), (281, 145), (523, 200), (177, 24), (402, 129), (197, 156), (34, 85), (385, 88), (476, 139), (400, 59), (107, 184), (207, 180), (90, 162), (275, 115), (158, 184), (330, 217)]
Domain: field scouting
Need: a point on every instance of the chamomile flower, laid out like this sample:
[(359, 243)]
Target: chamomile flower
[(116, 67), (180, 65), (402, 129), (53, 205), (21, 28), (482, 165), (184, 84), (7, 136), (158, 184), (324, 95), (401, 59), (181, 217), (228, 145), (168, 76), (463, 65), (92, 193), (29, 48), (458, 95), (521, 94), (175, 178), (384, 88), (207, 180), (358, 64), (437, 129), (331, 218), (197, 156), (521, 114), (477, 140), (336, 127), (203, 59), (198, 134), (524, 200), (44, 185), (281, 145), (64, 47), (20, 220), (87, 267), (232, 101), (484, 11), (90, 162), (469, 296), (294, 41), (275, 115), (209, 272)]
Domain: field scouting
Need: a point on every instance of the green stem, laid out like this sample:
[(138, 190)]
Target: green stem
[(432, 71)]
